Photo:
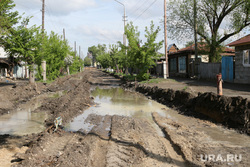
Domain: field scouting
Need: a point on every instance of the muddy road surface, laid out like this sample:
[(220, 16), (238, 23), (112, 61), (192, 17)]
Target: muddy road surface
[(111, 139)]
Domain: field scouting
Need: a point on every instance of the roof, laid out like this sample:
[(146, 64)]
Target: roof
[(202, 46), (170, 46), (242, 41)]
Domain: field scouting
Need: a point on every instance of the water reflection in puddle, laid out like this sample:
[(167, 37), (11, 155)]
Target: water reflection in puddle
[(116, 101), (23, 121)]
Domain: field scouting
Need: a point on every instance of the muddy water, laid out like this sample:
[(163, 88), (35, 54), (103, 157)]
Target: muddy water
[(22, 120), (116, 101)]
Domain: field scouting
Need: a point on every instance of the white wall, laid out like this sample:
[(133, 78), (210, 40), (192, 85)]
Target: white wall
[(2, 53)]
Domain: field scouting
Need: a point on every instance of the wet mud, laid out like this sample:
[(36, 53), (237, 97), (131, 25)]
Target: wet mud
[(112, 139)]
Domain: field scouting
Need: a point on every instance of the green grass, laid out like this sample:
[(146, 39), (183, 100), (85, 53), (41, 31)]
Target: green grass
[(151, 81), (56, 95), (185, 88)]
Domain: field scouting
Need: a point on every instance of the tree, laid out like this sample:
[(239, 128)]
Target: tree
[(104, 59), (54, 50), (8, 18), (232, 16), (114, 56), (189, 43), (76, 65), (133, 49), (97, 50), (145, 56), (24, 43), (87, 61)]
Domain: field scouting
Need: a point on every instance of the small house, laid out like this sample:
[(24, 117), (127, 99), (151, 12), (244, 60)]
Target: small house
[(181, 63), (242, 59)]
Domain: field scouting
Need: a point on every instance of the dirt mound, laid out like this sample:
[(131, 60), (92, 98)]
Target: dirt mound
[(234, 112), (75, 98), (17, 93)]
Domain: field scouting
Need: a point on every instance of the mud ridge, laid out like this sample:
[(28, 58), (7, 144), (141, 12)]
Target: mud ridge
[(176, 147), (232, 112)]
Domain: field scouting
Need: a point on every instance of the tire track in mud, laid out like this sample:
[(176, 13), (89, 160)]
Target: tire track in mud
[(132, 142)]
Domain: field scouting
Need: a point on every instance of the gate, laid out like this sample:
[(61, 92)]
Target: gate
[(227, 68)]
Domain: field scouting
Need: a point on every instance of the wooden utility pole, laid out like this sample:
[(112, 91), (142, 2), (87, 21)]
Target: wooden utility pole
[(64, 34), (75, 49), (166, 73), (43, 10), (195, 40), (79, 51)]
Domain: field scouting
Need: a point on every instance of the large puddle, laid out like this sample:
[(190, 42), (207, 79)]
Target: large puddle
[(116, 101), (23, 121)]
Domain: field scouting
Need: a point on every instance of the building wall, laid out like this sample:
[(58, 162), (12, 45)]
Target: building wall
[(242, 73), (159, 69), (3, 54)]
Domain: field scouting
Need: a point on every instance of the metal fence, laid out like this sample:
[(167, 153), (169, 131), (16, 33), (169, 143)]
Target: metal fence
[(209, 71)]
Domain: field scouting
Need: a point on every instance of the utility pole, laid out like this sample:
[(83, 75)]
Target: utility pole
[(64, 34), (166, 73), (80, 57), (124, 19), (43, 10), (75, 49), (79, 51), (195, 40), (43, 64)]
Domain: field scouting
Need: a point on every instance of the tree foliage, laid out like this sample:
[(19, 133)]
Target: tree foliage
[(54, 50), (76, 65), (24, 43), (96, 51), (137, 56), (143, 57), (8, 18), (217, 20), (87, 61)]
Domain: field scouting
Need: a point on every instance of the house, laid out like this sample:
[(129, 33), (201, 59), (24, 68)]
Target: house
[(4, 63), (159, 64), (181, 63), (9, 68), (242, 59)]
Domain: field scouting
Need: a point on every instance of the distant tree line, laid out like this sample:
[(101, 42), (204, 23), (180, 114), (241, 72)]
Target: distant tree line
[(137, 56)]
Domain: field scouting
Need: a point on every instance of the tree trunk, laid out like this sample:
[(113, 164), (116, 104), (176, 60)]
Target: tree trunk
[(25, 71), (213, 57), (31, 74), (68, 70), (117, 68)]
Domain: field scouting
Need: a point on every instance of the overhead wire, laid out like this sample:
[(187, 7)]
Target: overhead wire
[(145, 10), (51, 21), (137, 8)]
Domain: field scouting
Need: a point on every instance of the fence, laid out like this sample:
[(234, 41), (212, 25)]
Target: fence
[(209, 71)]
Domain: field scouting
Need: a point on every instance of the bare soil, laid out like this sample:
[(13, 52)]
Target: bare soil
[(113, 140)]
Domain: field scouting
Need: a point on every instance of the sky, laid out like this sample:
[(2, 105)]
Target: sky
[(93, 22)]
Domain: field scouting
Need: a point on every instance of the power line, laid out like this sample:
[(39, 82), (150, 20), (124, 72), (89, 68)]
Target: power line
[(145, 10), (135, 8)]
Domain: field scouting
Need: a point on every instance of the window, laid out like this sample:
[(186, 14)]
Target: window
[(246, 57), (173, 67), (182, 64)]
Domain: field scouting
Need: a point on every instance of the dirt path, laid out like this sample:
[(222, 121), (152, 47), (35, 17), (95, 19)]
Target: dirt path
[(112, 141), (196, 86)]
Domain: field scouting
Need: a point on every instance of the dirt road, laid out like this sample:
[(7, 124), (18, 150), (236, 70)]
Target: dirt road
[(113, 140)]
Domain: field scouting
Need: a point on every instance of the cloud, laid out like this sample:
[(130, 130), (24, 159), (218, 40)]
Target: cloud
[(57, 7), (99, 33)]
